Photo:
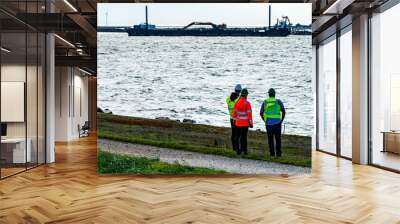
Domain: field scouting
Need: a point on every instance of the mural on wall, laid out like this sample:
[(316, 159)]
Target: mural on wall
[(187, 90)]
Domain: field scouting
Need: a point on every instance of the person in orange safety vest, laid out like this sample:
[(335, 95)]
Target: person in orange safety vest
[(243, 117)]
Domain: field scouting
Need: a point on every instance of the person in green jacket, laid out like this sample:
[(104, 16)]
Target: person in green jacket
[(273, 113), (230, 101)]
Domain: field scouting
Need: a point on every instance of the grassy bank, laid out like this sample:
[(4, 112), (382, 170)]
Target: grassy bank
[(199, 138), (123, 164)]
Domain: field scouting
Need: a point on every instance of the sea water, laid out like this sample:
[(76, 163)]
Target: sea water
[(191, 77)]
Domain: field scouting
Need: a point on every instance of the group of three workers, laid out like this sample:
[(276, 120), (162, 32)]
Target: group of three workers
[(272, 112)]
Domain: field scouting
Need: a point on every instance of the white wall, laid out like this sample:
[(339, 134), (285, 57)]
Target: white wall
[(80, 110), (62, 82), (33, 126), (12, 73), (71, 102)]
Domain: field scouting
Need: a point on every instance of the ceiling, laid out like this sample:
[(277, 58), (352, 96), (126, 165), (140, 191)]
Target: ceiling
[(74, 22), (331, 15)]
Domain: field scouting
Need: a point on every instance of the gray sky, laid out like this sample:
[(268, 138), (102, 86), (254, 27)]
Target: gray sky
[(180, 14)]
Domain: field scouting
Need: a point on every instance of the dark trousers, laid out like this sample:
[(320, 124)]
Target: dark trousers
[(274, 132), (241, 139), (233, 135)]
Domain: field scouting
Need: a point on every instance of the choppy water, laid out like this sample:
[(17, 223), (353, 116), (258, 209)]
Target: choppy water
[(190, 77)]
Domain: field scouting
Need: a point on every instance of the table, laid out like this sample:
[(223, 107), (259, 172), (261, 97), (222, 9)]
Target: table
[(19, 155), (391, 141)]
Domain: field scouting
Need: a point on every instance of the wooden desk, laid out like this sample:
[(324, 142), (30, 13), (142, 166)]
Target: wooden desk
[(16, 147), (391, 141)]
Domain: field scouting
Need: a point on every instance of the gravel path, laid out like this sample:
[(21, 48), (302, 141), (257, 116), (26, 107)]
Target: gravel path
[(231, 165)]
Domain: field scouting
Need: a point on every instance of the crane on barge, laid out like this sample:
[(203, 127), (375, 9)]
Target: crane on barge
[(282, 28)]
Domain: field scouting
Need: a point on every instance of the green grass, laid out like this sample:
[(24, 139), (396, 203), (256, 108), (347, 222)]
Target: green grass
[(203, 149), (123, 164), (199, 138)]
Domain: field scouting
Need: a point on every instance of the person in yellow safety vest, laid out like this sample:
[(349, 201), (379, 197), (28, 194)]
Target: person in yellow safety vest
[(230, 101), (273, 113)]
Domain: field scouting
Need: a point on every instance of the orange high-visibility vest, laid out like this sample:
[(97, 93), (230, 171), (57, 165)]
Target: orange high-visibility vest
[(242, 113)]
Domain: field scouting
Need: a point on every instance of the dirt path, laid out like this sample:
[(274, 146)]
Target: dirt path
[(232, 165)]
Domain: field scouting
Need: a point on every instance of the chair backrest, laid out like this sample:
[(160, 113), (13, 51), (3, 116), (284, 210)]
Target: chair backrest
[(86, 125)]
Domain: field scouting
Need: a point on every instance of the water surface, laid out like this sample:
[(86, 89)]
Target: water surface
[(190, 77)]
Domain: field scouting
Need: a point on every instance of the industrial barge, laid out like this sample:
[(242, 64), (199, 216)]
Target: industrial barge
[(214, 30), (282, 28)]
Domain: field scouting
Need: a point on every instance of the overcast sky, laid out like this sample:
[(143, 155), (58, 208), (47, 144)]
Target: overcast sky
[(180, 14)]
